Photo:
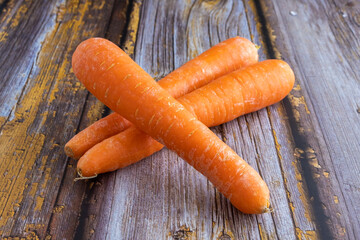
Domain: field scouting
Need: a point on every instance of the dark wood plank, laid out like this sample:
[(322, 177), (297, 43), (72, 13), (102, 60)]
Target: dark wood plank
[(82, 202), (46, 107), (297, 195), (18, 19), (321, 42)]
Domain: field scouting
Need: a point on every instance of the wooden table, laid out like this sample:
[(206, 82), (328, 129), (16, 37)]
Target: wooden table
[(307, 148)]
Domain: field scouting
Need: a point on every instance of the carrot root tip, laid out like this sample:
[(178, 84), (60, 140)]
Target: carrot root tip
[(69, 152), (268, 210), (81, 177)]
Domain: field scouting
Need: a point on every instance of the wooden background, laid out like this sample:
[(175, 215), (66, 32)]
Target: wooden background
[(306, 148)]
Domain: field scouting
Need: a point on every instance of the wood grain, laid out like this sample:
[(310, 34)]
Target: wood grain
[(49, 101), (323, 109), (306, 147)]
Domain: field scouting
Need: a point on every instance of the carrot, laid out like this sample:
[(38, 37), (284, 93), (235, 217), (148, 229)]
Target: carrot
[(116, 80), (220, 101), (95, 133), (225, 57)]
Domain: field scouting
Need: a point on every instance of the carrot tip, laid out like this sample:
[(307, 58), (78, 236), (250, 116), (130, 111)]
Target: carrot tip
[(268, 210), (81, 177), (69, 152)]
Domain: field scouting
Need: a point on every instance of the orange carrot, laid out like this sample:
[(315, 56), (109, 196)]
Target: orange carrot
[(220, 101), (95, 133), (223, 58), (116, 80)]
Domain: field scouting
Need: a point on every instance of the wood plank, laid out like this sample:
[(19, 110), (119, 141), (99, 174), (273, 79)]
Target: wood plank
[(321, 42), (37, 50), (16, 18), (287, 156), (82, 201)]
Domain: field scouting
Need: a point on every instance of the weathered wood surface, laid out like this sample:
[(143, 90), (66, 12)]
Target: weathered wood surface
[(324, 110), (306, 147)]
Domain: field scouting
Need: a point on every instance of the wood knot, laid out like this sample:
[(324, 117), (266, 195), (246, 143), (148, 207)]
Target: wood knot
[(350, 4), (225, 237), (183, 233)]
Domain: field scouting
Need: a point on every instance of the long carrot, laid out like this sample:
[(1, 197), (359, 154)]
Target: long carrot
[(221, 59), (220, 101), (116, 80)]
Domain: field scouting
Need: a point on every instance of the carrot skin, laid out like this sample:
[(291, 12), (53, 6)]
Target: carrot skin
[(240, 92), (118, 151), (223, 58), (104, 68), (95, 133)]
